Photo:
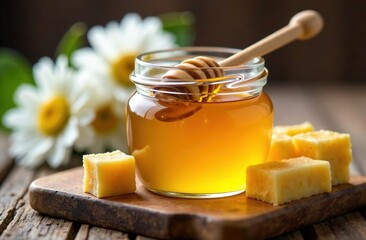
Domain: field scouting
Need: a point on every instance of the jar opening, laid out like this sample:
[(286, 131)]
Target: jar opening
[(157, 75)]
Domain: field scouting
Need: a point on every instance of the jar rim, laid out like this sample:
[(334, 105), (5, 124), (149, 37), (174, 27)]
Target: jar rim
[(150, 68), (255, 62)]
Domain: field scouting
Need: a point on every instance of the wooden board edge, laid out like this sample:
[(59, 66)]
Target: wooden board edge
[(163, 225), (343, 201), (126, 219)]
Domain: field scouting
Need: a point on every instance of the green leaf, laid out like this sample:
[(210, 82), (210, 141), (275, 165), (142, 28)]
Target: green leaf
[(15, 69), (181, 25), (73, 39)]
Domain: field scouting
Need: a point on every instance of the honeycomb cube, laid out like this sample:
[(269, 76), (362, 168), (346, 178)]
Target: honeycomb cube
[(327, 145), (293, 130), (109, 174), (287, 180), (282, 147)]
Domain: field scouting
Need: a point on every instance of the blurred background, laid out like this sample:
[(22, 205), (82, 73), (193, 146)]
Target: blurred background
[(336, 56)]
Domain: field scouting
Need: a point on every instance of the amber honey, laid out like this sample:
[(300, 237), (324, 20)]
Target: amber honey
[(207, 152), (191, 148)]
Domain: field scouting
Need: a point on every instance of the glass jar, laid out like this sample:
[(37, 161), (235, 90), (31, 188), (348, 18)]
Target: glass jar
[(197, 144)]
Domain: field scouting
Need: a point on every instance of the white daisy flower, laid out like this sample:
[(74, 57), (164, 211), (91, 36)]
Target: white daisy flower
[(49, 116), (106, 66), (107, 128), (114, 48)]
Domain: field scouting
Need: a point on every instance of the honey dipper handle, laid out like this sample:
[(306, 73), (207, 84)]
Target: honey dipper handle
[(304, 25)]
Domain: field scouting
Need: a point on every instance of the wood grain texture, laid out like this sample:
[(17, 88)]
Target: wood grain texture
[(162, 217), (29, 224), (290, 236), (348, 226), (12, 191), (95, 233), (6, 163), (20, 221), (83, 232), (144, 238)]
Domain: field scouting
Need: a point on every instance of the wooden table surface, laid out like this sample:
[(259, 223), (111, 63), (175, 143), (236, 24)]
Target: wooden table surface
[(340, 109)]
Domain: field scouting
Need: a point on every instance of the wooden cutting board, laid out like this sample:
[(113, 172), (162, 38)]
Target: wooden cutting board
[(145, 213)]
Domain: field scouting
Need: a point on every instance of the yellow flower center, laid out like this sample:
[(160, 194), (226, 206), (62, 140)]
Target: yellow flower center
[(105, 121), (53, 115), (122, 68)]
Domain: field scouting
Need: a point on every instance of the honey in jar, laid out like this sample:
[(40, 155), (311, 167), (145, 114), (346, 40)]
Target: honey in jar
[(197, 146)]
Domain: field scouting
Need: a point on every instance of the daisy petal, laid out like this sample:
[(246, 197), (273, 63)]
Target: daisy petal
[(86, 57), (79, 101), (26, 95), (70, 133), (99, 40), (37, 155), (21, 142), (43, 72), (85, 140), (19, 119), (59, 155), (85, 116), (32, 151), (130, 22)]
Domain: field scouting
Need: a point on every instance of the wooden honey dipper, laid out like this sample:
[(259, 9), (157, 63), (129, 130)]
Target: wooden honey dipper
[(304, 25)]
